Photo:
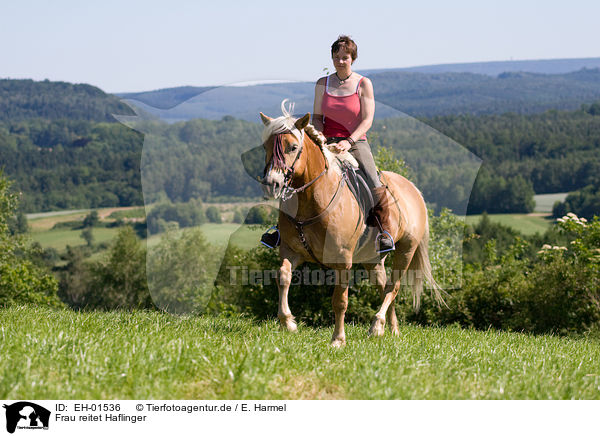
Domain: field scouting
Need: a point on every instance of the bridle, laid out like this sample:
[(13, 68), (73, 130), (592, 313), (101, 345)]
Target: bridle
[(277, 161)]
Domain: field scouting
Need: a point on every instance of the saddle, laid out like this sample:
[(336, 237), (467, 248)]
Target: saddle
[(357, 184), (356, 181)]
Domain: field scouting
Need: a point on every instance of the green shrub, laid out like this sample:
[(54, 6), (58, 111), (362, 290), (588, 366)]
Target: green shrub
[(188, 214), (118, 281), (181, 271), (213, 215), (21, 280)]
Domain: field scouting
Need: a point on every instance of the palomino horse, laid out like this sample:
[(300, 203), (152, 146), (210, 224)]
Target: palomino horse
[(320, 221)]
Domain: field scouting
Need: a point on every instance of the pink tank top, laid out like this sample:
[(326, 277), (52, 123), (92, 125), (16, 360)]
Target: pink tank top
[(341, 113)]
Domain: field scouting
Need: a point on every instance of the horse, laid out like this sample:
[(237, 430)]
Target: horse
[(321, 222)]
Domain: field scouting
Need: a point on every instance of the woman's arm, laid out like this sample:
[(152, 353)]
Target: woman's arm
[(317, 118), (367, 109)]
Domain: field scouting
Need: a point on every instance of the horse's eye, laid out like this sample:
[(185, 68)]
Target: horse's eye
[(294, 147)]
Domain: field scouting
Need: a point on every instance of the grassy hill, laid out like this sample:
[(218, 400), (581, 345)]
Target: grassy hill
[(155, 355)]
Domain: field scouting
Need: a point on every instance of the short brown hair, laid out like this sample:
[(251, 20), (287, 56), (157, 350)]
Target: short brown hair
[(347, 44)]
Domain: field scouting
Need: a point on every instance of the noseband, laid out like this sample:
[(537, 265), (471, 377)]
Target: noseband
[(277, 161)]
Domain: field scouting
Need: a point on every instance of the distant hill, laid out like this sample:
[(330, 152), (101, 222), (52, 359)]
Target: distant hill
[(166, 98), (414, 93), (27, 99), (421, 94), (543, 66)]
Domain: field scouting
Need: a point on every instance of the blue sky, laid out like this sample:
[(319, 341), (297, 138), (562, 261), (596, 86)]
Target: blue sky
[(125, 45)]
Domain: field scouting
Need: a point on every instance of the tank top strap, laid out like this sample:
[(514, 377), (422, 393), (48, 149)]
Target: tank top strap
[(358, 84), (327, 84)]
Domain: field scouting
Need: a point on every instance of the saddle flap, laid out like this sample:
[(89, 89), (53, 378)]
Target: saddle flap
[(359, 188)]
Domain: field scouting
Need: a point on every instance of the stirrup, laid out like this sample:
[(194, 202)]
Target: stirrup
[(378, 242), (267, 235)]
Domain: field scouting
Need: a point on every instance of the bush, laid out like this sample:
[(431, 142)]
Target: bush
[(557, 291), (181, 271), (584, 203), (116, 282), (265, 215), (184, 214), (21, 280), (213, 215)]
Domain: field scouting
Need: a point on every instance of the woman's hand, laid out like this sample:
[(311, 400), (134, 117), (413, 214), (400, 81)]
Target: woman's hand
[(342, 146)]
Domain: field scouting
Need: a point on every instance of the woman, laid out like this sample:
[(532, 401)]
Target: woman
[(344, 107)]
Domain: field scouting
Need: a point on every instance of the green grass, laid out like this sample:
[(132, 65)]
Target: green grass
[(60, 238), (526, 224), (55, 354), (244, 236)]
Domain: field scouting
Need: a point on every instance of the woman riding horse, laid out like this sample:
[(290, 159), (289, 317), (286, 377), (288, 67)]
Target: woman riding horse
[(343, 110), (320, 222)]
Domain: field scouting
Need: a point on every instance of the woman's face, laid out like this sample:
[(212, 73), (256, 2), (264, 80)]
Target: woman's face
[(342, 59)]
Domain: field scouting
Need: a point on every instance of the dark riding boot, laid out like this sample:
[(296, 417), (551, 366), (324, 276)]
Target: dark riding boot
[(271, 240), (379, 217)]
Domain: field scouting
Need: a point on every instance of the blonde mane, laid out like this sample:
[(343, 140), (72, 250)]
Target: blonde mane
[(286, 123)]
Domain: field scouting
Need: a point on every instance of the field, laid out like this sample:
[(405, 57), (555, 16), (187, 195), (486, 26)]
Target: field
[(544, 202), (528, 224), (537, 222), (78, 355), (244, 236)]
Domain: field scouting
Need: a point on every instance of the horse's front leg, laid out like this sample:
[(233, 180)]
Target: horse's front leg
[(340, 304), (289, 262)]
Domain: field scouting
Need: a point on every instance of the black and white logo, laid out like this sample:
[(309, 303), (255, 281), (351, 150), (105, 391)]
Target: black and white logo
[(26, 415)]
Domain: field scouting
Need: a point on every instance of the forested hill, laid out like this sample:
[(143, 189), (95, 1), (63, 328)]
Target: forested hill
[(26, 99), (415, 93), (420, 94)]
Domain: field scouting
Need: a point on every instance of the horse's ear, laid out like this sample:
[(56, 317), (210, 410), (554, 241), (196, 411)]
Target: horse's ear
[(302, 122), (265, 119)]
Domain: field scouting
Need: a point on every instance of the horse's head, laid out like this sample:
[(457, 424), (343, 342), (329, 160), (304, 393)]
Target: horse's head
[(283, 140)]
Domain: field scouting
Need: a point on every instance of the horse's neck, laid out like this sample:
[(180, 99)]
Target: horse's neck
[(317, 196)]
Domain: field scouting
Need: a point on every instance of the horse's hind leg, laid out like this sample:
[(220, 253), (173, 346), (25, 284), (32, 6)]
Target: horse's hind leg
[(380, 276), (289, 261), (402, 257)]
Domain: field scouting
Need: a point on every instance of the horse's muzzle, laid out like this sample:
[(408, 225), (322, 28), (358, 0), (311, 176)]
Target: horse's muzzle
[(272, 185)]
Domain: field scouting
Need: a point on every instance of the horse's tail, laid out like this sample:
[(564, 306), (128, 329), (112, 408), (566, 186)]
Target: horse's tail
[(420, 269)]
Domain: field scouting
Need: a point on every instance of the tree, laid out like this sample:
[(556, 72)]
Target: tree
[(91, 219), (119, 281), (21, 281), (87, 234), (213, 215)]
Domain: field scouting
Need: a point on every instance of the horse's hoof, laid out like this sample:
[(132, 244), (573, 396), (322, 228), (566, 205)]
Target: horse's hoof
[(292, 327), (395, 331), (338, 343), (377, 327), (289, 326)]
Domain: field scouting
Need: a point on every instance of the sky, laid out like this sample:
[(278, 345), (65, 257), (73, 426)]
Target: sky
[(129, 46)]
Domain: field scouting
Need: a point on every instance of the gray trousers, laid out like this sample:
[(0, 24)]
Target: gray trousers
[(361, 151)]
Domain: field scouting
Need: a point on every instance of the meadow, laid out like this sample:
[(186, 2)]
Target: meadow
[(245, 237), (133, 355)]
